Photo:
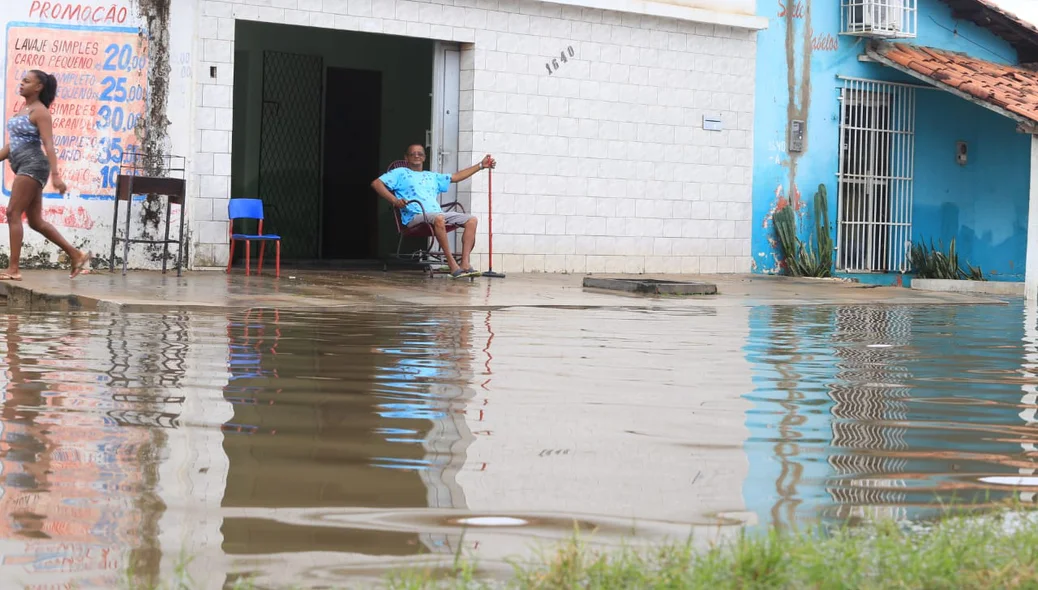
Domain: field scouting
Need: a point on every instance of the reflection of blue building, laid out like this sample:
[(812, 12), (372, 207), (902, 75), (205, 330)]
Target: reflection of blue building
[(882, 411), (914, 117)]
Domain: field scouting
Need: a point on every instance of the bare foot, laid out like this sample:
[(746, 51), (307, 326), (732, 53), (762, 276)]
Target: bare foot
[(10, 276), (79, 265)]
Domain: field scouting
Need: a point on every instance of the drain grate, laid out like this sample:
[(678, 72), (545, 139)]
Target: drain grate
[(651, 286)]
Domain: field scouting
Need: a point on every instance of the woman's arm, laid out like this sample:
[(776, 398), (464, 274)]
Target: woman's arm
[(43, 123), (5, 152)]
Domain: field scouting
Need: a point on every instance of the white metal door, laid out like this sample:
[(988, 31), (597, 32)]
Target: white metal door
[(877, 153), (443, 152)]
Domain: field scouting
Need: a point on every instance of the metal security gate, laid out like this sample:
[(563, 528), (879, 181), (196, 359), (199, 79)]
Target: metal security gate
[(877, 153), (291, 149)]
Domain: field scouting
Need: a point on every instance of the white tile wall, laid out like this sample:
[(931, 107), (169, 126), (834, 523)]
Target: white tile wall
[(603, 165)]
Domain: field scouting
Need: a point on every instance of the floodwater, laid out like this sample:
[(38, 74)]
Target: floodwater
[(323, 450)]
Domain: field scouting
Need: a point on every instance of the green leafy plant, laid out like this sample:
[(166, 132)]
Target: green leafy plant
[(930, 262), (804, 260)]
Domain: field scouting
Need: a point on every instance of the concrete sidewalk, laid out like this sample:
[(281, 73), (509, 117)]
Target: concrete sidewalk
[(216, 291)]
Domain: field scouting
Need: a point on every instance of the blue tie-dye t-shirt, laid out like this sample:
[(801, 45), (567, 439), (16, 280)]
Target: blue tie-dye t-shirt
[(424, 187)]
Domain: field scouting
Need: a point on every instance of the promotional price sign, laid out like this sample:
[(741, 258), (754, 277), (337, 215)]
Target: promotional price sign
[(102, 97)]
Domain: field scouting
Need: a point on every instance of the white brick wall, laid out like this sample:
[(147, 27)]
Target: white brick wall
[(603, 166)]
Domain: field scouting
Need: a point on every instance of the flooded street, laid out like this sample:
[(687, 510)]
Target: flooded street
[(323, 449)]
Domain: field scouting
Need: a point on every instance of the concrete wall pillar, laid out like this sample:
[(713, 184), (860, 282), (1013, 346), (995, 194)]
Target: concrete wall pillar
[(1031, 279)]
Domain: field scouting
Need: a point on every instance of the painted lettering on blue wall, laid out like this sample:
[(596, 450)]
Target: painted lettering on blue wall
[(553, 65), (825, 42), (79, 13), (796, 8)]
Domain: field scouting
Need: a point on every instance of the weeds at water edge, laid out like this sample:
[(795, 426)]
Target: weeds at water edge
[(998, 550), (181, 580)]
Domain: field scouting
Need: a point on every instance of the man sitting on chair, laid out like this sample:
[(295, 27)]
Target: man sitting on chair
[(414, 183)]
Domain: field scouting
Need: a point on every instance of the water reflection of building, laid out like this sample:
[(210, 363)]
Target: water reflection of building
[(869, 394), (86, 401), (789, 421), (1027, 480), (342, 415), (884, 411), (64, 514), (622, 419), (192, 469), (830, 407)]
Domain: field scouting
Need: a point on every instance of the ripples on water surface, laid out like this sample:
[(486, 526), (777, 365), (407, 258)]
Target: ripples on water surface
[(872, 411), (321, 449)]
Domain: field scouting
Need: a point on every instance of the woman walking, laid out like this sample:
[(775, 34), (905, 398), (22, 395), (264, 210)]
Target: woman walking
[(33, 160)]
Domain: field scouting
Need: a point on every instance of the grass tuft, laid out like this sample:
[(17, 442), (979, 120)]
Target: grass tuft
[(962, 551), (999, 550)]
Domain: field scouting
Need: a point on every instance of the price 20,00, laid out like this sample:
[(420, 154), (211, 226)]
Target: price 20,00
[(122, 58)]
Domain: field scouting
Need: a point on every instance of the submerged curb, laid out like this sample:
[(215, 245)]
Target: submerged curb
[(23, 297), (651, 286)]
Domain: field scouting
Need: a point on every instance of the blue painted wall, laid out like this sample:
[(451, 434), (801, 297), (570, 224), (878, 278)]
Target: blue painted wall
[(983, 205)]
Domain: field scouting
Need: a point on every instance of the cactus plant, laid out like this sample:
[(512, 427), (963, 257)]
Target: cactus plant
[(801, 260)]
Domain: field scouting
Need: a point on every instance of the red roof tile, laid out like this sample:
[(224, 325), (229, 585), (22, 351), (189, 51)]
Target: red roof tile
[(1003, 87)]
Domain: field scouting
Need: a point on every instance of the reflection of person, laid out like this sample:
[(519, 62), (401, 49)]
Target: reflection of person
[(25, 448), (33, 160), (402, 185)]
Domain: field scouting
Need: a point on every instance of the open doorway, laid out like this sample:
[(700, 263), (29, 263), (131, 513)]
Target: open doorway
[(352, 136), (318, 114)]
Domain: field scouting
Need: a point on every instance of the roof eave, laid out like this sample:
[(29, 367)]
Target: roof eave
[(1022, 35), (1024, 124)]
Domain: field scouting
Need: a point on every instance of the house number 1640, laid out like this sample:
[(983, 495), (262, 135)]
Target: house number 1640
[(553, 65)]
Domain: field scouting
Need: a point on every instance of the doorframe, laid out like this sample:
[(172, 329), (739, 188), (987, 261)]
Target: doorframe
[(446, 96)]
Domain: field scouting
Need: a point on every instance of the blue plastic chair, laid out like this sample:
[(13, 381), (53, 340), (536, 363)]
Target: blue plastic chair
[(251, 209)]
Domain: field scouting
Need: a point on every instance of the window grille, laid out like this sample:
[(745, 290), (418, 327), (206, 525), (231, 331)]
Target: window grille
[(877, 153), (879, 18)]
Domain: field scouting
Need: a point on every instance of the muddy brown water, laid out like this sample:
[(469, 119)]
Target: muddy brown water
[(323, 450)]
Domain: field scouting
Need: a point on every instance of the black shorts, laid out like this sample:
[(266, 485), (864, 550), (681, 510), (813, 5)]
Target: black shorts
[(30, 161)]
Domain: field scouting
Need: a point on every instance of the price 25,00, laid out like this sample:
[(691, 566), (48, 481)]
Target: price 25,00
[(115, 90)]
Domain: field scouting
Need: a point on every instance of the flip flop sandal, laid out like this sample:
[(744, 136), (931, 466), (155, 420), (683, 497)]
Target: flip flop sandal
[(77, 269), (462, 274)]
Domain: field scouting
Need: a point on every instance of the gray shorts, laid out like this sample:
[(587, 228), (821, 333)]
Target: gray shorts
[(449, 217), (30, 161)]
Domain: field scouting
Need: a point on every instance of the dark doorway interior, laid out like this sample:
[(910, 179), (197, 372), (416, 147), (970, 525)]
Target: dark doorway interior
[(352, 135)]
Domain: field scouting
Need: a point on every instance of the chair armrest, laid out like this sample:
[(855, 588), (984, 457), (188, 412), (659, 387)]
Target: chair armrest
[(453, 205), (420, 206)]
